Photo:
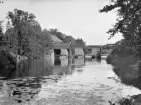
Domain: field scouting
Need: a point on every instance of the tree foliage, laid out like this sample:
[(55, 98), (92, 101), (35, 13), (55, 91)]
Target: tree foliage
[(2, 36), (1, 33), (69, 39), (65, 38), (1, 27), (79, 41), (46, 39), (57, 33), (26, 36), (128, 21)]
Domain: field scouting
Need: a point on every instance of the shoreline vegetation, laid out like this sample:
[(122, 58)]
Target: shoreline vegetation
[(127, 66)]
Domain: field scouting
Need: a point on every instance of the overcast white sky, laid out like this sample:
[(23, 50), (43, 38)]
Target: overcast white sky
[(79, 18)]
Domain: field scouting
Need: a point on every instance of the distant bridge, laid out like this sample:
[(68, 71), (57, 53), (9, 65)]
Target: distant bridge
[(93, 50)]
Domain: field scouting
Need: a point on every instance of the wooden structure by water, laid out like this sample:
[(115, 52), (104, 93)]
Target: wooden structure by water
[(62, 50), (78, 50), (67, 50)]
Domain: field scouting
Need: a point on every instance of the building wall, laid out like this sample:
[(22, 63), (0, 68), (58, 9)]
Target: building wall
[(95, 51), (79, 51), (64, 52), (106, 51)]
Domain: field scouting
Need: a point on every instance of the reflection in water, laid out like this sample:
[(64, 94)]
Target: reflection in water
[(94, 82), (79, 61), (36, 68), (8, 73), (93, 60), (57, 62), (61, 67), (25, 89), (61, 62)]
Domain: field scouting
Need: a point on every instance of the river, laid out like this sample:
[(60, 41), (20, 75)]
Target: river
[(62, 82)]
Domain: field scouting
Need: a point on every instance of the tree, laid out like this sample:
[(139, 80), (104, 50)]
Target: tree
[(65, 38), (21, 22), (1, 33), (25, 34), (128, 21), (69, 39), (46, 38), (1, 27), (8, 25), (80, 41), (2, 36), (56, 32), (46, 41)]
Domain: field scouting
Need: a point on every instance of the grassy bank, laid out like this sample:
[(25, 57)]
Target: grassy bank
[(127, 67)]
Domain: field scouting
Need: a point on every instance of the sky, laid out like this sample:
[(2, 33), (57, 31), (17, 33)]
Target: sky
[(78, 18)]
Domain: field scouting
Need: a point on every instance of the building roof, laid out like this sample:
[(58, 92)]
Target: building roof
[(94, 46), (61, 45), (55, 39), (77, 46)]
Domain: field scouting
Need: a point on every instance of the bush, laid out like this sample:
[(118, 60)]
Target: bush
[(122, 101), (108, 59), (125, 101)]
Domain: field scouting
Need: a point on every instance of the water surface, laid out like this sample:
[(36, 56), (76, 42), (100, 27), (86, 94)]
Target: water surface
[(62, 82)]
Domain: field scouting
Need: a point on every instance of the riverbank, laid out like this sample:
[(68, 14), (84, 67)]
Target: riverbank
[(9, 59), (127, 67), (125, 62)]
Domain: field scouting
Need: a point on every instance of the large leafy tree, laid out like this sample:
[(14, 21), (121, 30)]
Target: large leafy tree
[(25, 35), (128, 21), (22, 29)]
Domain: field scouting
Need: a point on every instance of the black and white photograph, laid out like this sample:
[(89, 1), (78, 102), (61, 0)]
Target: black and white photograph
[(70, 52)]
